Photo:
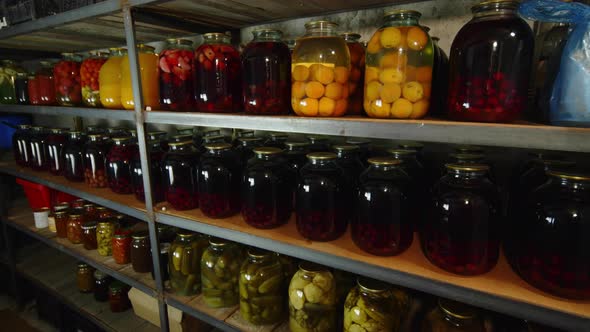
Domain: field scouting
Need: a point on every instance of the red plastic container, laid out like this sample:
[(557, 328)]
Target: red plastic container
[(38, 195)]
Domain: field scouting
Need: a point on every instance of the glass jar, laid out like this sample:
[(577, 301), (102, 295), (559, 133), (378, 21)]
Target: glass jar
[(440, 80), (118, 298), (322, 198), (101, 286), (451, 316), (56, 141), (371, 306), (104, 236), (74, 227), (41, 87), (295, 153), (160, 136), (267, 68), (8, 72), (121, 247), (276, 140), (156, 155), (176, 75), (312, 300), (118, 164), (21, 147), (39, 151), (150, 84), (78, 204), (67, 80), (180, 171), (184, 262), (89, 235), (61, 223), (246, 146), (350, 162), (357, 72), (90, 212), (103, 213), (95, 153), (261, 288), (319, 143), (219, 176), (220, 272), (140, 254), (398, 74), (109, 79), (383, 225), (490, 65), (90, 78), (21, 88), (218, 82), (268, 186), (320, 72), (85, 278), (73, 157), (364, 148), (549, 243), (462, 235)]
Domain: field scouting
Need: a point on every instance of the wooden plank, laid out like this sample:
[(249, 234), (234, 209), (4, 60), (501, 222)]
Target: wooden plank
[(144, 278), (238, 321), (220, 314)]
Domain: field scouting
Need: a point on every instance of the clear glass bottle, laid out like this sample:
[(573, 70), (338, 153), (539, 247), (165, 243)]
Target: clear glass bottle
[(109, 79), (176, 75), (184, 262), (41, 86), (150, 84), (220, 273), (371, 306), (320, 72), (95, 153), (90, 78), (118, 165), (451, 316), (356, 79), (156, 156), (180, 172), (56, 141), (21, 147), (67, 80)]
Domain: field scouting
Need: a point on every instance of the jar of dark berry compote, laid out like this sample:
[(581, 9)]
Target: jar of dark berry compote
[(118, 164), (418, 191), (322, 198), (349, 161), (383, 224), (219, 178), (95, 173), (267, 189), (267, 74), (490, 65), (319, 143), (296, 154), (462, 232), (176, 75), (55, 144), (21, 147), (73, 157), (179, 174), (364, 148), (276, 140), (160, 136), (246, 146), (218, 83), (550, 249), (156, 155), (39, 151)]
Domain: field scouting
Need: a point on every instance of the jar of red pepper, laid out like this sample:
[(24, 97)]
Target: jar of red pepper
[(176, 75), (118, 298), (218, 86), (155, 155), (118, 165), (95, 153), (89, 71), (179, 168), (41, 86), (121, 244), (67, 80), (55, 145)]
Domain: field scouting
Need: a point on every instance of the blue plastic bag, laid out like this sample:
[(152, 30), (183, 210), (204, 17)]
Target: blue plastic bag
[(570, 96)]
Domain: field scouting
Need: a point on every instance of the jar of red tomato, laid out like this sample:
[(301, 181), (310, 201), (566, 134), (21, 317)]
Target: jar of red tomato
[(89, 71), (67, 80), (176, 75), (179, 169), (356, 79), (41, 86), (121, 244), (118, 165), (218, 86)]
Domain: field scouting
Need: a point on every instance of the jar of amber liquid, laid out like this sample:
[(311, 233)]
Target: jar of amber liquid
[(74, 228), (109, 79), (89, 235), (320, 72), (398, 72), (451, 316), (61, 223), (356, 79), (141, 257), (85, 278), (150, 83)]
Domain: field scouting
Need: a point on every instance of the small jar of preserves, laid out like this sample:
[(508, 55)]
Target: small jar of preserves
[(21, 88), (39, 152), (371, 306), (156, 155), (67, 80), (150, 84), (89, 235), (462, 235), (118, 164), (121, 244), (267, 74), (140, 253), (184, 262), (95, 161), (41, 86), (262, 296), (179, 174), (320, 72), (90, 80), (118, 298), (323, 198), (295, 153), (61, 223), (85, 278), (74, 227), (451, 316), (73, 156), (220, 271), (268, 187), (219, 176), (109, 79), (176, 75), (104, 236), (312, 299), (245, 148), (21, 147), (56, 141), (319, 143), (101, 286), (90, 211), (357, 72), (103, 213), (78, 204)]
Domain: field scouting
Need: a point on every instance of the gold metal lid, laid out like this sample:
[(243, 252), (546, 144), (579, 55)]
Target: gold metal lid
[(140, 235), (266, 151), (372, 285), (259, 253), (456, 309), (321, 156), (179, 41), (320, 24), (216, 241), (346, 147), (181, 143), (496, 4), (218, 146), (296, 144), (384, 161), (467, 156), (122, 138), (569, 176), (402, 152), (464, 148), (312, 267), (357, 141), (468, 167), (214, 35)]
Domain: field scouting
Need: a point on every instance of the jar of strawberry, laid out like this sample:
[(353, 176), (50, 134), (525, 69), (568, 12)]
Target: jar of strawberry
[(156, 154), (267, 74), (41, 86), (357, 72), (95, 174), (179, 174), (176, 75), (55, 144), (118, 164), (218, 85), (89, 75), (67, 80)]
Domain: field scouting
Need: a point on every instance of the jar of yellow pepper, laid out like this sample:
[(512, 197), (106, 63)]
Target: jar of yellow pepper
[(150, 86)]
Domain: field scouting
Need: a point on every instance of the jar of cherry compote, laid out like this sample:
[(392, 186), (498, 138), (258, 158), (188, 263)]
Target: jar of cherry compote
[(319, 143), (357, 72), (296, 155), (245, 148), (95, 173), (41, 86), (179, 174), (451, 316), (89, 75), (56, 141), (462, 235), (148, 72), (218, 85), (320, 72), (349, 161), (156, 155), (440, 80), (39, 152), (213, 139), (364, 148), (219, 178), (267, 74), (267, 189), (383, 222), (160, 136), (176, 75), (118, 164), (490, 65), (73, 155), (398, 74), (418, 191), (238, 134), (21, 147), (322, 198), (67, 80), (550, 248), (276, 140)]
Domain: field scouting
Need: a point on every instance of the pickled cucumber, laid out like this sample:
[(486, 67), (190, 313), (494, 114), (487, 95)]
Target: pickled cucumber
[(370, 310), (220, 273), (184, 263)]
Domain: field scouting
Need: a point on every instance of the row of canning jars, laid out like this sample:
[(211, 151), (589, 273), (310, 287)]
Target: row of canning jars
[(104, 287)]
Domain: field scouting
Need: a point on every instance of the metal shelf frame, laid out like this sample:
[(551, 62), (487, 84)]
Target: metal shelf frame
[(86, 112)]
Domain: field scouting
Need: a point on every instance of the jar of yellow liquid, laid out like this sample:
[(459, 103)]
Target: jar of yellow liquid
[(320, 71), (148, 65), (109, 79)]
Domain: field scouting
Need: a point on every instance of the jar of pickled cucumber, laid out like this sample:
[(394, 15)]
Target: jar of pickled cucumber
[(150, 83), (312, 300), (451, 316), (371, 306), (184, 262), (8, 73), (320, 72), (357, 72), (104, 236), (109, 79), (67, 80), (220, 271), (89, 75), (398, 72), (261, 288)]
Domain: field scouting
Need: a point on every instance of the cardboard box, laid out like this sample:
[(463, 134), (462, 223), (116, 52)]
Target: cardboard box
[(146, 307)]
